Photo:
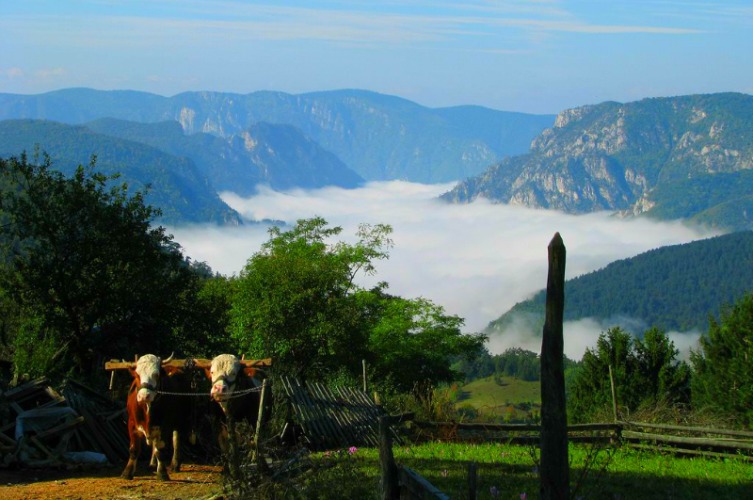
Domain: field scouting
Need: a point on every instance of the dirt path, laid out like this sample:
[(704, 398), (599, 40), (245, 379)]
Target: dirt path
[(194, 482)]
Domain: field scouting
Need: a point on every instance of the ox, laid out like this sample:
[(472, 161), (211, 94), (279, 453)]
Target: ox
[(234, 392), (153, 416)]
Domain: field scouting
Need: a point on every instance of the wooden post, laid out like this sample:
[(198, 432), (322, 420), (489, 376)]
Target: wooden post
[(554, 472), (614, 393), (472, 487), (261, 462), (363, 363), (390, 484)]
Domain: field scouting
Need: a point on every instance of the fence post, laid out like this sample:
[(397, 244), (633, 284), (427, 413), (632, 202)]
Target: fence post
[(472, 482), (614, 393), (554, 474), (390, 483)]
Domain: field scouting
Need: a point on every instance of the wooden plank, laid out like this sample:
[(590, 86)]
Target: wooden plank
[(181, 363), (104, 444), (684, 451), (679, 428), (691, 441), (74, 422), (29, 386), (417, 486)]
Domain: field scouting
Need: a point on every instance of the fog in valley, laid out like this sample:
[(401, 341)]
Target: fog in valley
[(476, 260)]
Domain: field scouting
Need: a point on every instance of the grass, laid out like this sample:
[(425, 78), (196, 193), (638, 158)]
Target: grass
[(515, 399), (623, 473)]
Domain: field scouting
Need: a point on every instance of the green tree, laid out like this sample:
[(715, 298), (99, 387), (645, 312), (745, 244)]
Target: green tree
[(722, 377), (662, 378), (296, 298), (415, 341), (85, 267), (590, 394)]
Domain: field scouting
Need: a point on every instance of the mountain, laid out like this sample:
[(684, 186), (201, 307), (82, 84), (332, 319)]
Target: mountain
[(675, 287), (677, 157), (176, 185), (380, 137), (277, 155)]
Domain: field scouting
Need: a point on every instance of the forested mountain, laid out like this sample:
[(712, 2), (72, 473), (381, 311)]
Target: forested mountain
[(380, 137), (676, 287), (176, 185), (276, 155), (679, 157)]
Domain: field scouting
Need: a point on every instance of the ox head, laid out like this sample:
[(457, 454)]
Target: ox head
[(146, 375), (224, 373)]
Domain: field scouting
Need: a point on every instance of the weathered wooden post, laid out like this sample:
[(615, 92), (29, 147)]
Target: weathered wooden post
[(390, 482), (554, 471)]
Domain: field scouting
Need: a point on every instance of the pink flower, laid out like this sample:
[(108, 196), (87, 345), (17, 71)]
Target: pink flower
[(352, 450), (523, 496)]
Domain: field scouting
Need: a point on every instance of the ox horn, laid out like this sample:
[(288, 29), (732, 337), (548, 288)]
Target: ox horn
[(170, 358)]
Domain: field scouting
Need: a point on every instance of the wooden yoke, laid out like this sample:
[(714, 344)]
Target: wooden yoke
[(114, 364)]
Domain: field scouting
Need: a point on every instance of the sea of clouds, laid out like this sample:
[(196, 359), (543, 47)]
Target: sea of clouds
[(476, 260)]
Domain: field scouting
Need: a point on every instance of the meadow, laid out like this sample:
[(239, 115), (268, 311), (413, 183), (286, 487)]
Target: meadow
[(511, 472)]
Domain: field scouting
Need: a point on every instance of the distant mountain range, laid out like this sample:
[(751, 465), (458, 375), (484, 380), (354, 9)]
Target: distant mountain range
[(688, 157), (379, 137), (676, 287)]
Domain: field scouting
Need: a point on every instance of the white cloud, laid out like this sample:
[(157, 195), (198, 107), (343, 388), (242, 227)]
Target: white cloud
[(476, 260)]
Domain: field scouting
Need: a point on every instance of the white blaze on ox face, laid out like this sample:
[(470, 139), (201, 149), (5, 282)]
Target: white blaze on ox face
[(148, 368), (223, 372)]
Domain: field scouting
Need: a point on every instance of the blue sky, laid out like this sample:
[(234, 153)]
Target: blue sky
[(536, 56)]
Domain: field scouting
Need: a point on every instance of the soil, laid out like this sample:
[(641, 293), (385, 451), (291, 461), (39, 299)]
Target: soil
[(192, 482)]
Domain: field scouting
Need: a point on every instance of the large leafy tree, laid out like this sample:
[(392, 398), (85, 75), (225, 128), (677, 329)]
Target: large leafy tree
[(723, 378), (414, 341), (645, 372), (85, 267), (296, 298)]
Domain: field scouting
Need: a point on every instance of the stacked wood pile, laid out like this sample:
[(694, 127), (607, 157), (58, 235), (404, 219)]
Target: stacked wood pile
[(46, 424), (332, 418)]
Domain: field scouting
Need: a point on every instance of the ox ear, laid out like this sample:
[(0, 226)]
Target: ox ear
[(249, 371), (208, 372)]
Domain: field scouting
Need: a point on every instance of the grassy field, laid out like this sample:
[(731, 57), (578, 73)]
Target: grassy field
[(510, 472), (514, 399)]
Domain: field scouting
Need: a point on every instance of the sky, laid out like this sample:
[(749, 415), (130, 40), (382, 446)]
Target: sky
[(532, 56), (475, 260)]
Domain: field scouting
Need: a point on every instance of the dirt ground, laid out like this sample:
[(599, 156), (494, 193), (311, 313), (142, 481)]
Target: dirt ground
[(193, 482)]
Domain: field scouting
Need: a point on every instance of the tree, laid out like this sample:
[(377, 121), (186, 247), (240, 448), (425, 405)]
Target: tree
[(415, 341), (296, 298), (722, 377), (645, 372), (80, 258)]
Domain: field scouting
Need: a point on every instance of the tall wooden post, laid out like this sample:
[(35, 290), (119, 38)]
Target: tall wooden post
[(390, 482), (554, 470)]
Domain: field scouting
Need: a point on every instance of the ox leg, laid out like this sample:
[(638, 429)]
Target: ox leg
[(175, 465), (159, 444), (153, 460), (134, 449)]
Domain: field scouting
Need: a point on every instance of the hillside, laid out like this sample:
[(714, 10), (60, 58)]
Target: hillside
[(676, 287), (378, 136), (680, 157), (176, 186), (279, 156)]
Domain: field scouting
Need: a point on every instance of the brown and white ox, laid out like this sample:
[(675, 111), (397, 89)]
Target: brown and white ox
[(235, 391), (153, 416)]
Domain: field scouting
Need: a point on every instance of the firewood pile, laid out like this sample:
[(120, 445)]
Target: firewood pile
[(40, 427)]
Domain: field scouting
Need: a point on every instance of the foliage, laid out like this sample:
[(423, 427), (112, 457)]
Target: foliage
[(296, 302), (645, 372), (723, 379), (673, 288), (89, 277), (413, 342)]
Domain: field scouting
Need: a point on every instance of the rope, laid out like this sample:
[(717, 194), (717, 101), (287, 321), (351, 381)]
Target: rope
[(236, 394)]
